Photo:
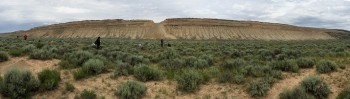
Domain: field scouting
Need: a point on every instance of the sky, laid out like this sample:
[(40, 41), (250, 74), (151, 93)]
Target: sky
[(25, 14)]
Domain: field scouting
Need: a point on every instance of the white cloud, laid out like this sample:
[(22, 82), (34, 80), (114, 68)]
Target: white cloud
[(328, 13)]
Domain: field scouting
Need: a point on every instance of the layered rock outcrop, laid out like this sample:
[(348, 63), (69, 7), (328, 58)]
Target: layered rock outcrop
[(179, 28)]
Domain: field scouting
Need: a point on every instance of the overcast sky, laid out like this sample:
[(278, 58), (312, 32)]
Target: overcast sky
[(25, 14)]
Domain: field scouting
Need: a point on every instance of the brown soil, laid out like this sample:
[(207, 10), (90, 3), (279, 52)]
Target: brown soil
[(27, 64), (105, 85), (290, 80)]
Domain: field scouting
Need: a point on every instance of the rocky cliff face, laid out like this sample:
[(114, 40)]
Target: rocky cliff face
[(179, 28)]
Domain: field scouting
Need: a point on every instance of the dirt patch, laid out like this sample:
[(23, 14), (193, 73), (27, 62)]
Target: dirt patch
[(290, 80), (25, 63), (337, 81)]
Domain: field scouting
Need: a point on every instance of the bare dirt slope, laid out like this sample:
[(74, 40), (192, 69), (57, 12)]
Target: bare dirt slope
[(180, 28)]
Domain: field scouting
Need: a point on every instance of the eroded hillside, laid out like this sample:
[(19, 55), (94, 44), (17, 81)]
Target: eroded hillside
[(180, 28)]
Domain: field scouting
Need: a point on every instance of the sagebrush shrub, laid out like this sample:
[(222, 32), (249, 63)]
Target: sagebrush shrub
[(49, 79), (295, 93), (305, 63), (88, 94), (135, 60), (208, 58), (16, 52), (69, 87), (76, 59), (41, 55), (285, 65), (189, 81), (29, 48), (325, 66), (90, 67), (19, 84), (131, 90), (261, 71), (316, 86), (344, 94), (201, 63), (169, 53), (266, 54), (93, 67), (230, 64), (122, 69), (225, 77), (189, 61), (239, 79), (146, 73), (258, 88), (172, 63), (3, 56)]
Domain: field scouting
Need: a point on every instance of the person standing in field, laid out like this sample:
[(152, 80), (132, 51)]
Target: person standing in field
[(25, 36), (161, 42), (98, 43)]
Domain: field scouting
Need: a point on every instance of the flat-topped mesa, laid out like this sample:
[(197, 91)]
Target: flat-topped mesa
[(195, 28), (181, 28), (93, 28), (94, 23)]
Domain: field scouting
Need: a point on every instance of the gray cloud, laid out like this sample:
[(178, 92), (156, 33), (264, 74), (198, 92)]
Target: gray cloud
[(314, 13)]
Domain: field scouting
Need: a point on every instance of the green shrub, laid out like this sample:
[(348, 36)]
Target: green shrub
[(239, 79), (19, 84), (344, 94), (295, 93), (28, 48), (261, 71), (135, 60), (230, 64), (173, 63), (49, 79), (90, 67), (146, 73), (285, 65), (169, 53), (325, 66), (305, 63), (189, 81), (69, 87), (93, 67), (189, 61), (266, 54), (79, 75), (16, 52), (86, 94), (258, 88), (208, 58), (131, 90), (315, 86), (3, 56), (41, 55), (225, 77), (122, 69), (76, 59), (201, 63)]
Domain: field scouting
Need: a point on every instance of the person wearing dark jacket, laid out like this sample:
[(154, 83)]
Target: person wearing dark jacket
[(98, 43), (161, 42)]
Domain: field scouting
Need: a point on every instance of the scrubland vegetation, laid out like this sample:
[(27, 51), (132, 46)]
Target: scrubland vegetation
[(256, 65)]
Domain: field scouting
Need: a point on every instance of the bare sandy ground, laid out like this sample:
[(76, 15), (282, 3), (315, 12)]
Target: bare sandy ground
[(105, 85)]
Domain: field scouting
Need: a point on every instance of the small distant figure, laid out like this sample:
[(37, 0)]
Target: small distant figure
[(169, 45), (161, 42), (97, 43), (25, 36), (17, 36)]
